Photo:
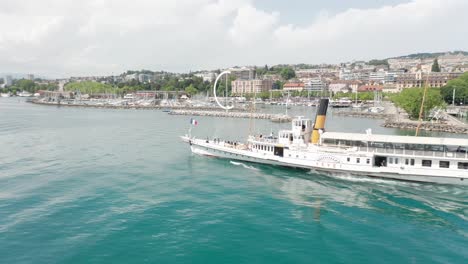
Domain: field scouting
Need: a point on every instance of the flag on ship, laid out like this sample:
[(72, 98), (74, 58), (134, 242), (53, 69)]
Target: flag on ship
[(193, 122)]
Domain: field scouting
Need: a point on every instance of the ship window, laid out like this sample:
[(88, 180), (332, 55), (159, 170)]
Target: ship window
[(412, 162), (348, 159), (426, 163), (368, 161), (358, 160), (399, 146), (297, 156), (444, 164), (463, 165), (406, 161), (396, 160), (390, 160)]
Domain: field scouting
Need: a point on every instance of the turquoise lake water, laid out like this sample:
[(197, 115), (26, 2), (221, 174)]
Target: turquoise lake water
[(118, 186)]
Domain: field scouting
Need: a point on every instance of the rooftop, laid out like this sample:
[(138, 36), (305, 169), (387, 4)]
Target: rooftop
[(396, 139)]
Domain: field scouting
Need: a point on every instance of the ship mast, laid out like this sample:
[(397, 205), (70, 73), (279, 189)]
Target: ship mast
[(421, 110)]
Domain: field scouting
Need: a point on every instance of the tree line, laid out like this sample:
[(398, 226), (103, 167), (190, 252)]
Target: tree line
[(29, 86)]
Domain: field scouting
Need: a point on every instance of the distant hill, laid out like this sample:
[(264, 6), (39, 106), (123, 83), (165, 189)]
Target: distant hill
[(427, 55)]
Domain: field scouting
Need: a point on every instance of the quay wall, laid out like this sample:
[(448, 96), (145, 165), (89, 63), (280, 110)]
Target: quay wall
[(438, 127), (149, 107), (273, 117)]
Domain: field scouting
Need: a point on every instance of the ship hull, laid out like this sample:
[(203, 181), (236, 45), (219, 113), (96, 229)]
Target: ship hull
[(326, 168)]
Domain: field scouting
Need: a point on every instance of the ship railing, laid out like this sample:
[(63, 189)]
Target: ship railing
[(438, 154), (264, 139)]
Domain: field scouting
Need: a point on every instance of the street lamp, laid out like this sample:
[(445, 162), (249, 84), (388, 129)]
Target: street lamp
[(453, 97)]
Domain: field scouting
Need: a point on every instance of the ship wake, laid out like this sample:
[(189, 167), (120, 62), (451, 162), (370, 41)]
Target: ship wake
[(243, 165)]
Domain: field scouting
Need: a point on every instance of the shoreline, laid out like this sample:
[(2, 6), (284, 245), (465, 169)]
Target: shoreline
[(392, 117)]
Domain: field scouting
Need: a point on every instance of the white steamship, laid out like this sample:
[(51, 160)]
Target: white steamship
[(305, 145)]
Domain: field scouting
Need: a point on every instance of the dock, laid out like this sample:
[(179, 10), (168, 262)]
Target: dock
[(273, 117), (427, 126)]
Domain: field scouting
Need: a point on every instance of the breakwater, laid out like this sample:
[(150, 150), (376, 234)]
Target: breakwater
[(362, 114), (130, 106), (272, 117), (437, 127)]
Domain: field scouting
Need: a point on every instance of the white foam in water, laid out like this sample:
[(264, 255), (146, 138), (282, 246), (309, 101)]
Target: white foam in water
[(353, 178), (243, 165)]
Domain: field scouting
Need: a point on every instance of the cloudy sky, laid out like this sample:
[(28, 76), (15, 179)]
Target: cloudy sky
[(97, 37)]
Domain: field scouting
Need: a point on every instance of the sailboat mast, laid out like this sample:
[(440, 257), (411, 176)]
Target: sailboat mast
[(421, 110)]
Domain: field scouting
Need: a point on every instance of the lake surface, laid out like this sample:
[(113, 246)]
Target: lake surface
[(118, 186)]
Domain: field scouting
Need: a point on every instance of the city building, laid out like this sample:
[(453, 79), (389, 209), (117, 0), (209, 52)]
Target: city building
[(273, 77), (130, 77), (206, 76), (344, 86), (30, 77), (8, 80), (316, 85), (294, 86), (144, 78), (370, 88), (359, 75), (377, 77), (419, 79), (243, 73), (453, 59), (240, 86), (390, 88)]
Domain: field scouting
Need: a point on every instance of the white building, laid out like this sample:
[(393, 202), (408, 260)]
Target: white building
[(144, 78), (130, 77), (8, 80), (206, 76), (316, 85), (377, 77), (30, 77)]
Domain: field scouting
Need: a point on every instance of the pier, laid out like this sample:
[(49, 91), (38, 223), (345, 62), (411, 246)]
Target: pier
[(428, 126), (362, 114), (273, 117)]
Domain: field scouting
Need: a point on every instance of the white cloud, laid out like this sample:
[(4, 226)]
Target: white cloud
[(420, 25), (66, 37), (250, 25)]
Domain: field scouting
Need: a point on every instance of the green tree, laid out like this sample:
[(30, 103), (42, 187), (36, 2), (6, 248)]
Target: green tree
[(410, 100), (435, 66), (378, 62), (287, 73), (278, 85), (26, 85), (460, 85), (191, 90), (90, 87)]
